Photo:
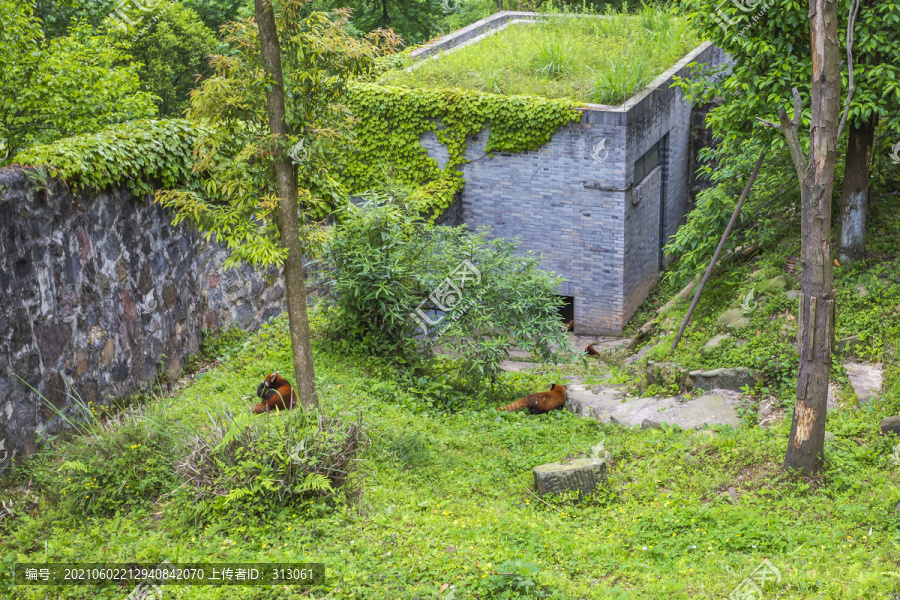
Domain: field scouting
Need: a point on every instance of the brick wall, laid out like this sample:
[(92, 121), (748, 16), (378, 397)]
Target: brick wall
[(585, 214)]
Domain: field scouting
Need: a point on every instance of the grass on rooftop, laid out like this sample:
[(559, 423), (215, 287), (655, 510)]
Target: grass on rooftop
[(601, 59)]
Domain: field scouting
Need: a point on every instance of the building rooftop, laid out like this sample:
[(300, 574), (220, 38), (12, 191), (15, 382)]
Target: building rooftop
[(596, 59)]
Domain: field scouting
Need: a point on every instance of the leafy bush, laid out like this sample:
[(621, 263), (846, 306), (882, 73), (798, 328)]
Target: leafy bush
[(117, 462), (514, 579), (399, 286), (263, 463), (62, 86), (134, 153), (171, 44)]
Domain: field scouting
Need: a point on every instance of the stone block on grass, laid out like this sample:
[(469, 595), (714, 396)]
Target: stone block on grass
[(582, 475)]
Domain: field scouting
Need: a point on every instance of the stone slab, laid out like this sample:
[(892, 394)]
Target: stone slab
[(612, 405), (865, 379), (582, 475), (733, 378)]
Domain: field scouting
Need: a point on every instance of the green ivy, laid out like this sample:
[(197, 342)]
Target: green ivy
[(137, 153), (393, 119)]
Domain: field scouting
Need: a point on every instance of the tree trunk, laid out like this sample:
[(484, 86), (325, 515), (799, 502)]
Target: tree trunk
[(816, 335), (286, 183), (855, 196)]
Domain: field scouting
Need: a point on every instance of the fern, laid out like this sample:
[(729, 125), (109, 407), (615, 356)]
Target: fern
[(73, 465), (314, 482), (237, 426), (237, 494)]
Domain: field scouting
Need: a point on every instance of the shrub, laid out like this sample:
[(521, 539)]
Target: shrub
[(121, 461), (401, 287), (259, 464), (171, 44)]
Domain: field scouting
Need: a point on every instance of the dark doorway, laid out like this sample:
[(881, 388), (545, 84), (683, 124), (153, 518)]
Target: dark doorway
[(567, 310)]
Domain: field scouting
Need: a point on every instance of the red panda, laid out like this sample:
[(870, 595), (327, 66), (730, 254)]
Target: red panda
[(569, 325), (540, 402), (276, 394), (591, 351)]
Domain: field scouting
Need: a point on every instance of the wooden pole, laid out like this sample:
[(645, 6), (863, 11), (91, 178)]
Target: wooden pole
[(712, 263)]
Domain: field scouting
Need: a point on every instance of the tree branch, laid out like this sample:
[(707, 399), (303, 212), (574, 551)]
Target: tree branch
[(798, 107), (851, 21), (791, 128)]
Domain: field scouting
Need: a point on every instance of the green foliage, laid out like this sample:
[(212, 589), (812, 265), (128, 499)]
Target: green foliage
[(514, 579), (57, 15), (392, 120), (62, 86), (172, 44), (216, 13), (416, 21), (123, 461), (390, 276), (590, 58), (235, 197), (445, 502), (768, 216), (137, 154), (261, 464), (772, 54)]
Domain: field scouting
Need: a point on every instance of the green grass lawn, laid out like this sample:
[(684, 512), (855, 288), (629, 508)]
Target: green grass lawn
[(447, 500), (595, 59)]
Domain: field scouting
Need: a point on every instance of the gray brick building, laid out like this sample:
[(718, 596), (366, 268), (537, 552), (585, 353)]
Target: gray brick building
[(599, 200)]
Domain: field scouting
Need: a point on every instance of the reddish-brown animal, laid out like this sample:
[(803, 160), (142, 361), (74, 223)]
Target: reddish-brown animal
[(541, 402), (591, 351), (276, 394), (569, 325)]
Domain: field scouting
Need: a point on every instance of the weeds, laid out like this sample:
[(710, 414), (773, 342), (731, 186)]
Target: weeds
[(597, 58)]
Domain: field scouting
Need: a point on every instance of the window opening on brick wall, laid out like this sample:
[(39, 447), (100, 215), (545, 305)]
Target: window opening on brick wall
[(646, 163)]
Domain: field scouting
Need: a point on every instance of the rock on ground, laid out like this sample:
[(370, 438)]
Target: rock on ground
[(716, 340), (582, 475), (865, 380), (733, 378), (734, 319), (611, 405), (890, 425)]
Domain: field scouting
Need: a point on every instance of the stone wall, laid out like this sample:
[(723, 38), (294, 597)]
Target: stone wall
[(98, 294)]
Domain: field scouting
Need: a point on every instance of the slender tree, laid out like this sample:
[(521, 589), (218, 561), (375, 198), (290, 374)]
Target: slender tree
[(265, 176), (286, 183), (816, 175)]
